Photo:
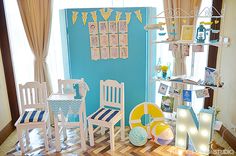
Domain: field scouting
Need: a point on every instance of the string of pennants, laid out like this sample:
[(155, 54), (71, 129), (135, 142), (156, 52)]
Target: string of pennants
[(105, 14), (186, 94)]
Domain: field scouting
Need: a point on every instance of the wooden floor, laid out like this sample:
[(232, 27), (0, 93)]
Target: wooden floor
[(71, 146)]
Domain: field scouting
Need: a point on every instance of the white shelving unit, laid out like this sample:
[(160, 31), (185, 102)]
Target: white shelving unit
[(205, 13)]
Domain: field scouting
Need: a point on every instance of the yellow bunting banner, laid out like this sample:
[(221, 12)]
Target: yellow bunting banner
[(74, 16), (118, 14), (139, 15), (94, 15), (84, 17), (105, 14), (128, 17)]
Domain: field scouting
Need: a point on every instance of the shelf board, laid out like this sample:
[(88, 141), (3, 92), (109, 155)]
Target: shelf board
[(201, 85), (217, 44)]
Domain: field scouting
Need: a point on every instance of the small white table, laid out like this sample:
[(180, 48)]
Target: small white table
[(63, 104)]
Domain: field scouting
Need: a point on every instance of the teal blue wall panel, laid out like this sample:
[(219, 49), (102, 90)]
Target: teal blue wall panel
[(131, 71)]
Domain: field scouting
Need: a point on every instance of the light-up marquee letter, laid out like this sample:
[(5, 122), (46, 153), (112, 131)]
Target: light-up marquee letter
[(200, 132)]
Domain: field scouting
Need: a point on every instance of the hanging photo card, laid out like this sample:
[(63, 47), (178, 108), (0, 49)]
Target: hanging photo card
[(185, 49), (162, 89), (113, 38), (187, 33), (167, 104), (173, 47), (211, 76), (103, 27), (203, 93), (123, 39), (103, 40), (198, 48), (95, 54), (124, 52), (114, 52), (93, 28), (187, 95), (94, 41), (123, 27), (112, 27), (174, 92), (104, 52)]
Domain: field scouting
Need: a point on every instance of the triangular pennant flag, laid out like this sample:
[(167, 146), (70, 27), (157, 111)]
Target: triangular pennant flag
[(94, 15), (128, 17), (118, 14), (84, 17), (139, 15), (74, 16), (107, 14)]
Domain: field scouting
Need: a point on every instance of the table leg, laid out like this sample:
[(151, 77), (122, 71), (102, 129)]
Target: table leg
[(57, 135)]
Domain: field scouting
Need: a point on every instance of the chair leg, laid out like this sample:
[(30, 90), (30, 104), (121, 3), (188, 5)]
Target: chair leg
[(112, 138), (45, 137), (27, 138), (91, 137), (19, 135), (63, 127), (103, 130), (49, 129), (122, 126), (82, 134), (85, 124)]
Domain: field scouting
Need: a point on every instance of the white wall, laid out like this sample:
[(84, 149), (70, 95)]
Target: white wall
[(226, 98), (5, 115)]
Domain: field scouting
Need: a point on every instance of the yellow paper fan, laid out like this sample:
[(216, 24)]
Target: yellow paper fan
[(118, 14), (94, 15), (84, 17), (128, 17), (107, 14)]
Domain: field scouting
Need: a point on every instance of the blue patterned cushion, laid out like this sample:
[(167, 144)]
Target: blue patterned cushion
[(105, 114), (33, 116)]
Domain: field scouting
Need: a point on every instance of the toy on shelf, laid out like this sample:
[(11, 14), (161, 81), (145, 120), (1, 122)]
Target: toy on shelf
[(164, 70), (201, 34), (162, 134), (138, 136), (151, 113)]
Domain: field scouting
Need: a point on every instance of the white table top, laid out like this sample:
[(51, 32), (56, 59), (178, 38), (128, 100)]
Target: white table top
[(62, 97)]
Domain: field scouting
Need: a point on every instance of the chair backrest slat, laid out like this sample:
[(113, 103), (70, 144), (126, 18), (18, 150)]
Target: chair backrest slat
[(33, 95), (112, 94)]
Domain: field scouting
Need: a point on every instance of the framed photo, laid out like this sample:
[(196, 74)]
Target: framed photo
[(162, 89), (104, 40), (203, 93), (124, 52), (93, 27), (123, 27), (104, 52), (94, 41), (114, 52), (167, 104), (174, 92), (187, 95), (185, 49), (112, 27), (187, 33), (173, 47), (103, 28), (113, 38), (123, 39), (95, 54), (198, 48)]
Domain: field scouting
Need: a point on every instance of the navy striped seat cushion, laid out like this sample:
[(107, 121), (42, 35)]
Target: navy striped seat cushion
[(33, 116), (105, 114)]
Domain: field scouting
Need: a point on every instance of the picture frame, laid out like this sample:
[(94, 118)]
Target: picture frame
[(104, 52), (95, 54), (202, 93), (94, 41), (187, 95), (93, 28), (123, 39), (113, 27), (162, 89), (187, 32), (114, 52), (113, 39), (103, 27), (185, 49), (123, 27), (198, 48), (124, 52), (167, 104), (104, 40)]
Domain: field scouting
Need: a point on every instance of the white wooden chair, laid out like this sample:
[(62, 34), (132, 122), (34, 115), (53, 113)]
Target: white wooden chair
[(33, 96), (110, 112), (66, 87)]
